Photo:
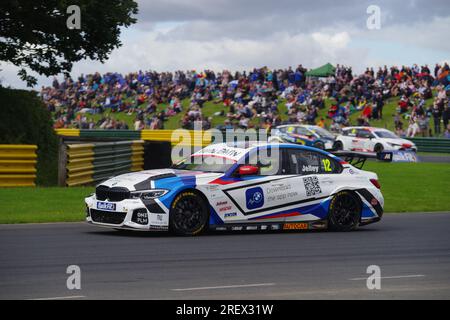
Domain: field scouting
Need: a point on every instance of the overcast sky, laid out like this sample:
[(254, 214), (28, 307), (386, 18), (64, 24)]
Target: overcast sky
[(242, 34)]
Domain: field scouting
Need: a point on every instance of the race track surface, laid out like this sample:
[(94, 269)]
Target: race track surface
[(412, 250)]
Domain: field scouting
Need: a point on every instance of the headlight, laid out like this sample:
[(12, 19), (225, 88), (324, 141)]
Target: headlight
[(148, 194), (394, 144)]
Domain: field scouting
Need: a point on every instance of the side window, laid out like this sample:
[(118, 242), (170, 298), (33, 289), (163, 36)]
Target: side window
[(268, 162), (350, 133), (366, 134), (304, 162), (329, 165), (302, 131)]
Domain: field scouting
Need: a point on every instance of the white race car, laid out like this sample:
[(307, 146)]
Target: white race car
[(251, 186), (369, 139)]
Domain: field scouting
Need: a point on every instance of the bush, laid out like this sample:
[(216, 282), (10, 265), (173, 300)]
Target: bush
[(24, 119)]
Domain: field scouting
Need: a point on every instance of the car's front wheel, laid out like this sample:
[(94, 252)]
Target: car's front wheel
[(344, 212), (188, 214)]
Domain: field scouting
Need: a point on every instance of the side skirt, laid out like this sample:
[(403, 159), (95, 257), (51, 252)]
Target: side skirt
[(272, 226)]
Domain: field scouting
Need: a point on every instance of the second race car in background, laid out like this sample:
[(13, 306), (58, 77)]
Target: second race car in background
[(307, 135), (370, 139)]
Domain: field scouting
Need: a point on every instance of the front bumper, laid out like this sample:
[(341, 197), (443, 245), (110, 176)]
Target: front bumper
[(392, 147), (130, 214)]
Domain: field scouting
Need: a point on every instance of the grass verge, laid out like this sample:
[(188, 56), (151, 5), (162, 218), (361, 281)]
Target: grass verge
[(53, 204), (413, 187), (407, 187)]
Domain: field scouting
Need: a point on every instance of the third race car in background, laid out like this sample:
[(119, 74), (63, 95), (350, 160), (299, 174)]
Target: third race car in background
[(307, 135), (370, 139)]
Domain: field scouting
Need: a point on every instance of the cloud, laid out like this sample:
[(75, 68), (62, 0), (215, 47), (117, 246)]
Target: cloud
[(242, 34)]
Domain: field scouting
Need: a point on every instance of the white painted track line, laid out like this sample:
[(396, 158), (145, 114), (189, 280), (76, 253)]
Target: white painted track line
[(227, 287), (60, 298), (392, 277)]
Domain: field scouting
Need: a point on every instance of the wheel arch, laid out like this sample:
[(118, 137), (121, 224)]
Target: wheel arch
[(352, 191), (200, 194)]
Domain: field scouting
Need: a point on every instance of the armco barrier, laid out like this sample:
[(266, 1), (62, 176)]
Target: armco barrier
[(17, 165), (439, 145), (184, 137), (424, 144), (91, 162)]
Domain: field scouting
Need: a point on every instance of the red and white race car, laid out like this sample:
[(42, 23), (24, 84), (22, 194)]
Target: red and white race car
[(371, 139)]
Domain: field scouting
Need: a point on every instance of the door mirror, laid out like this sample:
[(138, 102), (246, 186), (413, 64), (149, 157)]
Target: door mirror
[(248, 170)]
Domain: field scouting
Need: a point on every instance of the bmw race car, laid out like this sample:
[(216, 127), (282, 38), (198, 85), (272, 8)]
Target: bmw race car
[(308, 135), (244, 186), (369, 139)]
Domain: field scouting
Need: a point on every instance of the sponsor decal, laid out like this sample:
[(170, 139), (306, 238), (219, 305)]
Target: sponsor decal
[(312, 186), (280, 192), (154, 227), (230, 214), (221, 203), (226, 152), (106, 206), (310, 168), (275, 227), (404, 156), (250, 228), (221, 228), (236, 228), (225, 208), (374, 202), (263, 227), (295, 226), (254, 198), (187, 193)]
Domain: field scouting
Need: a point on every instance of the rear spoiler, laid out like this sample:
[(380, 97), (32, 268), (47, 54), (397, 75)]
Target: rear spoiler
[(358, 159)]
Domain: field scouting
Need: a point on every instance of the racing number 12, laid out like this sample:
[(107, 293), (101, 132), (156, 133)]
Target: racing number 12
[(326, 165)]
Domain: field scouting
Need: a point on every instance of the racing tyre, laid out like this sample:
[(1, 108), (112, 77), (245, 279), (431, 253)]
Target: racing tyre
[(378, 148), (319, 145), (188, 214), (337, 146), (344, 212)]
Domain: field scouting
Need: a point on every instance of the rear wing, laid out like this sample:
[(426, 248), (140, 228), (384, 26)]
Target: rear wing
[(358, 159)]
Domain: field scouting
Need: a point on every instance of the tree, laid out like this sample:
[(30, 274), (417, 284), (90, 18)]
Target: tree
[(35, 33)]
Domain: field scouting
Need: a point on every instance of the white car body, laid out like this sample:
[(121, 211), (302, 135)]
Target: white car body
[(259, 202), (370, 139)]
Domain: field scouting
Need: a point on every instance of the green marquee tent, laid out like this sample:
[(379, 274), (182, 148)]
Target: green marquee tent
[(323, 71)]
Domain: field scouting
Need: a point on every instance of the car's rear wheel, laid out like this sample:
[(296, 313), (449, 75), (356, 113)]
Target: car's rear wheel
[(319, 145), (188, 214), (344, 212), (338, 146)]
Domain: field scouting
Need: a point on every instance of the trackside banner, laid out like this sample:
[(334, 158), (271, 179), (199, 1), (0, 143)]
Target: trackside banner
[(404, 156)]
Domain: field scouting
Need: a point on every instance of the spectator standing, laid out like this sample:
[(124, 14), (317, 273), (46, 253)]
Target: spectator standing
[(436, 112), (446, 115)]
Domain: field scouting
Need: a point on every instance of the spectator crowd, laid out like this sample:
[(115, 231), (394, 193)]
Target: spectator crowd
[(253, 98)]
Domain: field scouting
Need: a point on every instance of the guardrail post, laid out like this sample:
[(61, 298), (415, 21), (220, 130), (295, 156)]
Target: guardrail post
[(62, 161)]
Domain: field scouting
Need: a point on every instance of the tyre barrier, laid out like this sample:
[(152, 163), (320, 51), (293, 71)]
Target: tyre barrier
[(17, 165), (88, 163), (438, 145)]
